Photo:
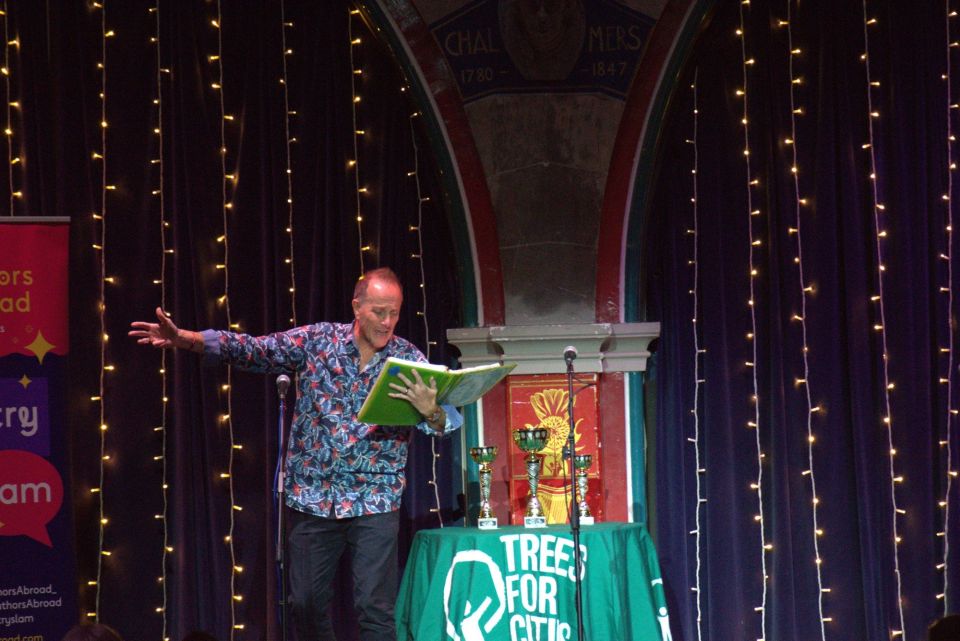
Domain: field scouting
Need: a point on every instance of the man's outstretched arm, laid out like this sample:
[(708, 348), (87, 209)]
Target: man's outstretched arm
[(165, 335)]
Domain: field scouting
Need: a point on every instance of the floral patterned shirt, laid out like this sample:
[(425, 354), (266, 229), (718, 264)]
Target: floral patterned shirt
[(336, 466)]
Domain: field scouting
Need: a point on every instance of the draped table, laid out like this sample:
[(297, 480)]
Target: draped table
[(515, 583)]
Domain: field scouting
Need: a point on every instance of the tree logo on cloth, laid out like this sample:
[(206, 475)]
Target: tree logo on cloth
[(467, 621), (534, 576)]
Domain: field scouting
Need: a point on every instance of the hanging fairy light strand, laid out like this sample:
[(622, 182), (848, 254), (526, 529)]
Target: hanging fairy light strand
[(101, 248), (422, 312), (806, 292), (880, 326), (948, 351), (226, 419), (8, 127), (698, 352), (13, 159), (755, 242), (161, 281), (289, 140), (354, 163)]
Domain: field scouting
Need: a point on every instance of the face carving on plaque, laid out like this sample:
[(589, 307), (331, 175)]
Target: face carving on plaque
[(543, 37)]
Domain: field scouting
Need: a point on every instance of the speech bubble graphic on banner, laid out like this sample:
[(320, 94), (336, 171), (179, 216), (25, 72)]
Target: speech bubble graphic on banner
[(31, 493)]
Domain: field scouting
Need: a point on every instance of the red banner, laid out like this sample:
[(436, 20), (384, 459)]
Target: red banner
[(33, 289), (541, 401)]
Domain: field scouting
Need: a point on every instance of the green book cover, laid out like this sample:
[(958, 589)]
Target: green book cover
[(456, 387)]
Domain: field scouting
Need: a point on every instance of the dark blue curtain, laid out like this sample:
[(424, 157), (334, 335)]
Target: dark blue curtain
[(56, 79), (867, 581)]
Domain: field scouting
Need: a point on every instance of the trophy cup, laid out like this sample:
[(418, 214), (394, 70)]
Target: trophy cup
[(484, 457), (531, 441), (581, 462)]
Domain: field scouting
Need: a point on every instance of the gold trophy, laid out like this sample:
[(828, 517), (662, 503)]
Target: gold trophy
[(484, 456), (581, 462), (531, 440)]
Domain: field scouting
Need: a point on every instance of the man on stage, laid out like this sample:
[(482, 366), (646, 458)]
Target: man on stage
[(344, 479)]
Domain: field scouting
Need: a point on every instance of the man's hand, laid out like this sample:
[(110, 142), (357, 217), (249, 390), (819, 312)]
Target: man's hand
[(164, 334), (422, 396)]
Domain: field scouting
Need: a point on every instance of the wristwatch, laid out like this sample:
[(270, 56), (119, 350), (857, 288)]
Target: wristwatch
[(436, 416)]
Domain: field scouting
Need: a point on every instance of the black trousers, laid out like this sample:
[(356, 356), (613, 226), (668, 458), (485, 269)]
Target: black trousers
[(315, 547)]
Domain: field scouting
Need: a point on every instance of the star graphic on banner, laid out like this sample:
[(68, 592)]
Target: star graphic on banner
[(25, 381), (40, 346)]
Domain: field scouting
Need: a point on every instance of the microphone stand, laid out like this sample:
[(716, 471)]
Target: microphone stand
[(278, 481), (574, 511)]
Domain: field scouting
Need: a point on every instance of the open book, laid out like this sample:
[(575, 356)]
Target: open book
[(456, 387)]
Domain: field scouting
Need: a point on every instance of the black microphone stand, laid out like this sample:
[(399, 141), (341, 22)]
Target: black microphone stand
[(283, 381), (569, 355)]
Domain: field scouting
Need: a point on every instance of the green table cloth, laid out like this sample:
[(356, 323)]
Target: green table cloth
[(517, 584)]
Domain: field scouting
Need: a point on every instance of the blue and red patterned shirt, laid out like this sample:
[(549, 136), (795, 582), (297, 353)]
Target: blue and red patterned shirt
[(336, 466)]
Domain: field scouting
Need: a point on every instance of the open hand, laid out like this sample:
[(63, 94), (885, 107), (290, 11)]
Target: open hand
[(161, 334), (421, 395)]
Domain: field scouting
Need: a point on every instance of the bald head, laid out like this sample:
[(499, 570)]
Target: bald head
[(376, 310), (380, 274)]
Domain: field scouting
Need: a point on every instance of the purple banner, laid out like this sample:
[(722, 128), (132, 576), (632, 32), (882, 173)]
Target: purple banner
[(24, 415)]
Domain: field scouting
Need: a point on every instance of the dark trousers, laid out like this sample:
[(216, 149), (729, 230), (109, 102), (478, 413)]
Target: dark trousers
[(315, 547)]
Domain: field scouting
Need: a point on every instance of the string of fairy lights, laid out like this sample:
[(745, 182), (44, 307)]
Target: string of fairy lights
[(698, 352), (807, 290), (948, 351), (358, 133), (227, 181), (416, 230), (356, 72), (8, 125), (101, 247), (165, 251), (755, 242), (13, 159), (289, 141), (422, 312), (881, 234)]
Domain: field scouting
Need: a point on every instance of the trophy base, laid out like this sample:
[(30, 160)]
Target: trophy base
[(534, 521), (487, 524), (586, 520)]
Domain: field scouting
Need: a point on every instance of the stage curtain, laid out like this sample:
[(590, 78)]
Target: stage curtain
[(54, 75), (851, 459)]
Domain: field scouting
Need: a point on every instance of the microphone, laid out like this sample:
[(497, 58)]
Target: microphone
[(283, 382), (569, 353)]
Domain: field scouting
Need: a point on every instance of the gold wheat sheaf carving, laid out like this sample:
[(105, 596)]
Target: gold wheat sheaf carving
[(550, 406)]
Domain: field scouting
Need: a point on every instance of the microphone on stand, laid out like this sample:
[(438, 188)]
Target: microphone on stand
[(283, 383), (569, 354)]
